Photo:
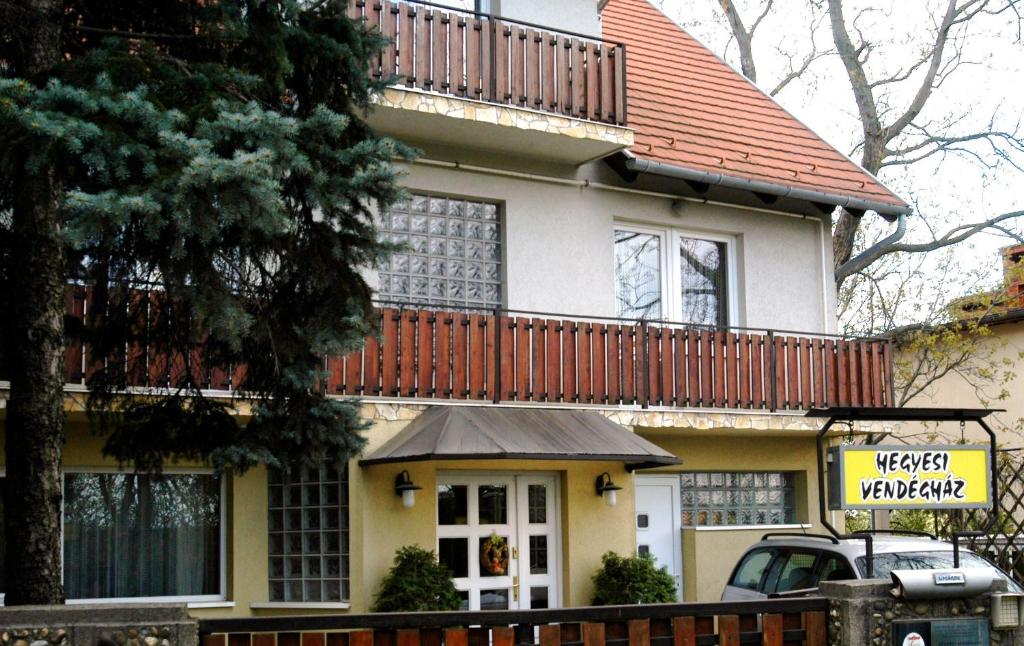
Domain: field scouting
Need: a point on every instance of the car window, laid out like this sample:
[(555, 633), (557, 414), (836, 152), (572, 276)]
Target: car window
[(796, 573), (834, 567), (887, 562), (751, 569)]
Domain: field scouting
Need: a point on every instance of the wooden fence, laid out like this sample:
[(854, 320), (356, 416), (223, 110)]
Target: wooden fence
[(477, 56), (792, 622), (503, 357)]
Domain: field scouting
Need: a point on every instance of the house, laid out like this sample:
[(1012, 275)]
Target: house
[(588, 344), (1000, 348)]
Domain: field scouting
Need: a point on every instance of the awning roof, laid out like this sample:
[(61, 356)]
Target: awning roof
[(492, 433)]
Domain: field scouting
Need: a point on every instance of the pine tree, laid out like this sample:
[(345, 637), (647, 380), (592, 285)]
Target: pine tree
[(203, 164)]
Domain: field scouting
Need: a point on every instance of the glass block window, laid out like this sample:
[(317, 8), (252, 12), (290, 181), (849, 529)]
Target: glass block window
[(452, 255), (309, 539), (737, 498)]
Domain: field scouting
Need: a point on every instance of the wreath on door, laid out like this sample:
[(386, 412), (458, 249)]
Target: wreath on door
[(494, 555)]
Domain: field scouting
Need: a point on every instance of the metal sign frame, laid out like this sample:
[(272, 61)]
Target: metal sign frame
[(873, 414), (987, 504)]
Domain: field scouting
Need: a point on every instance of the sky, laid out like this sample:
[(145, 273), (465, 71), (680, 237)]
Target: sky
[(985, 92)]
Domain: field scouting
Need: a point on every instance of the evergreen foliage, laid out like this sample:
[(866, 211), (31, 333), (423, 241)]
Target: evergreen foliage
[(631, 580), (216, 177), (417, 582)]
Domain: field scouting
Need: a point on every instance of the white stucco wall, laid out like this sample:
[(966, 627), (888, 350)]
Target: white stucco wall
[(558, 247), (578, 16)]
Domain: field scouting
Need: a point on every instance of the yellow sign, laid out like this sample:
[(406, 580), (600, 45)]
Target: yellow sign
[(921, 477)]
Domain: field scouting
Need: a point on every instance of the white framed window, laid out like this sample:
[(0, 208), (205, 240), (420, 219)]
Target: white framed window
[(111, 521), (675, 275), (134, 537)]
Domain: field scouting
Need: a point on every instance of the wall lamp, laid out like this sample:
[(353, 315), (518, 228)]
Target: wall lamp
[(406, 489), (606, 489)]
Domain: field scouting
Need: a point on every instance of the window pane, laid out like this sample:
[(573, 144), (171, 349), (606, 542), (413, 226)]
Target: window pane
[(702, 282), (493, 553), (493, 501), (798, 573), (738, 498), (538, 498), (453, 256), (750, 572), (453, 553), (309, 558), (128, 535), (494, 599), (637, 274), (451, 505)]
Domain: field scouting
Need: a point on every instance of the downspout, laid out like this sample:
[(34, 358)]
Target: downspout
[(855, 264)]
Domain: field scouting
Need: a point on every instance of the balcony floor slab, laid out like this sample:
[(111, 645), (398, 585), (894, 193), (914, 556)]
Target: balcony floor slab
[(416, 116)]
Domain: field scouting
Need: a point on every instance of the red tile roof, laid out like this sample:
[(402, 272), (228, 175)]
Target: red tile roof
[(692, 110)]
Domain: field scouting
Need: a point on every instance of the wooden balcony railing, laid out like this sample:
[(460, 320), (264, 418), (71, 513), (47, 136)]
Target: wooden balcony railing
[(502, 357), (482, 57), (505, 356)]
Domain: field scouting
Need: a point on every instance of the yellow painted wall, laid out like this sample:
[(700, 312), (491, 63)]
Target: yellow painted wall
[(1005, 345), (379, 524), (710, 554)]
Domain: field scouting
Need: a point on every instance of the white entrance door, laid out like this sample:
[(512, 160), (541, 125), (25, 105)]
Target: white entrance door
[(658, 523), (498, 534)]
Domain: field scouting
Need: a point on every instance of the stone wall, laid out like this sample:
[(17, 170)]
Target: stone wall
[(862, 612), (97, 625)]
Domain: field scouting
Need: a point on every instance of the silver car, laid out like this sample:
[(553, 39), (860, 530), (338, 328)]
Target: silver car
[(793, 564)]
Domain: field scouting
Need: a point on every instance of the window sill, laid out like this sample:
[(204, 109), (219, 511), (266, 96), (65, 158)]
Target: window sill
[(302, 605), (737, 528), (210, 604), (142, 601)]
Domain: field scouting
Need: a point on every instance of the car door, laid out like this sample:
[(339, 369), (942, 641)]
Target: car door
[(747, 580), (793, 572)]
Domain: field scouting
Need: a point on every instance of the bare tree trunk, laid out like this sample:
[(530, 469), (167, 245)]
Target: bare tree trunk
[(34, 436)]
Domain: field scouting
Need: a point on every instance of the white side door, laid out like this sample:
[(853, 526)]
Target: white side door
[(658, 523)]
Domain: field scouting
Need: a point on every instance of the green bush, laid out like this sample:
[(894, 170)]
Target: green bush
[(633, 579), (417, 582)]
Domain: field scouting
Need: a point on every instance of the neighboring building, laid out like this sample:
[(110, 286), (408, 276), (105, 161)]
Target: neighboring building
[(603, 234), (1001, 349)]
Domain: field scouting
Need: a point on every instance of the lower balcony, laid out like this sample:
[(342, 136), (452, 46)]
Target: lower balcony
[(504, 356)]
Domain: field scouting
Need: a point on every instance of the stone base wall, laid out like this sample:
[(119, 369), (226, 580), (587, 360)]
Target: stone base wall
[(97, 625), (862, 613)]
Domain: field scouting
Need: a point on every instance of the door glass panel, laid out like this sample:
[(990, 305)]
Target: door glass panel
[(494, 556), (835, 568), (453, 553), (538, 503), (538, 555), (451, 505), (494, 599), (493, 501), (539, 598)]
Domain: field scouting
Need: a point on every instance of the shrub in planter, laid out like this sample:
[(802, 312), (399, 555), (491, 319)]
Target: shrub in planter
[(417, 582), (632, 579)]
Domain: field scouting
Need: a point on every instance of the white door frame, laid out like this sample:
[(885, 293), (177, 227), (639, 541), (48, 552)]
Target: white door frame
[(518, 529), (672, 481)]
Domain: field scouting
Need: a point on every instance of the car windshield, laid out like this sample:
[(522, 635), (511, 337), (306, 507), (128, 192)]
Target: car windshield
[(885, 563)]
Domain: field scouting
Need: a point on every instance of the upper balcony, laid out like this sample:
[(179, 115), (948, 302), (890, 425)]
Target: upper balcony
[(470, 79), (502, 356)]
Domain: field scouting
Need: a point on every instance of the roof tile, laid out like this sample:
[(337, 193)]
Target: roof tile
[(691, 109)]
